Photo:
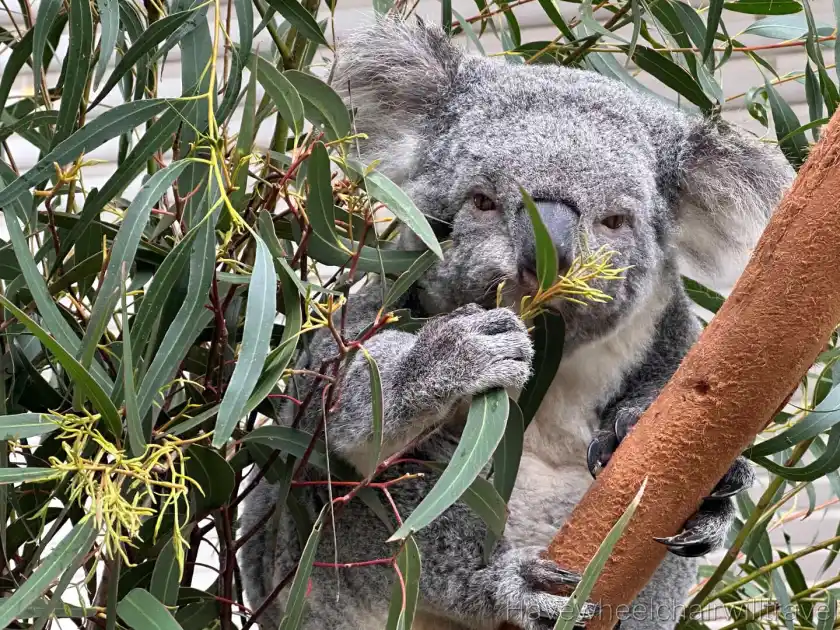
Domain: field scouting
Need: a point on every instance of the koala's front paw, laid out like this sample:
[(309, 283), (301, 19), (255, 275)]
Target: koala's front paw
[(706, 530), (472, 350), (523, 587)]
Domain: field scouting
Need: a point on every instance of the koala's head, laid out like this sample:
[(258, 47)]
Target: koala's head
[(605, 164)]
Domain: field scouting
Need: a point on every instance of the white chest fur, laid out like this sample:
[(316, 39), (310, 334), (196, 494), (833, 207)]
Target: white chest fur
[(553, 474)]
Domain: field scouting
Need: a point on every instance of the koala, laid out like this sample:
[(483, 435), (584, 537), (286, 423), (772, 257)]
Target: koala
[(608, 165)]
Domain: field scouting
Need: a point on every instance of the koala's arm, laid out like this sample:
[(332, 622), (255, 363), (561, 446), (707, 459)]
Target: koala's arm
[(423, 376), (707, 529)]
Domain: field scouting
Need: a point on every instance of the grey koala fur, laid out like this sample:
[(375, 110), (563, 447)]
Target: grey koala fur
[(455, 131)]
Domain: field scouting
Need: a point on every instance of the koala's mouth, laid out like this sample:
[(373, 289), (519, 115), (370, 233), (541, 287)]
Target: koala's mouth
[(527, 285)]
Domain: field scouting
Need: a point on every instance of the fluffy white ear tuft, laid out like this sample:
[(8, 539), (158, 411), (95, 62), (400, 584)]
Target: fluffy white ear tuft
[(395, 77), (730, 184)]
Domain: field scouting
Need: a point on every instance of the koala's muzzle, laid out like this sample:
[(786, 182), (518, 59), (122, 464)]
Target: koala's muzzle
[(561, 221)]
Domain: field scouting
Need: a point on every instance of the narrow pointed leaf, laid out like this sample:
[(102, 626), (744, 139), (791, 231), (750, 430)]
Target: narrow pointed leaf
[(166, 576), (133, 421), (484, 429), (109, 125), (300, 18), (29, 475), (546, 252), (25, 425), (141, 611), (571, 611), (259, 318), (297, 592), (281, 91), (383, 189), (47, 12), (410, 276), (122, 254), (145, 45), (402, 617), (75, 544), (74, 369), (109, 20), (77, 66), (321, 104), (279, 358)]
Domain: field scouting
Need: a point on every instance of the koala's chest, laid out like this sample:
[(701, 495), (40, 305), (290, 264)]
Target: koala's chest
[(553, 475)]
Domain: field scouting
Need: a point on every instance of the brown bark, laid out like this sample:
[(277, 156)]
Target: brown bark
[(748, 360)]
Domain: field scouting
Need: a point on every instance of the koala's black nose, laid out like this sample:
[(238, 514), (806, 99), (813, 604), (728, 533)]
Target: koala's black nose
[(561, 222)]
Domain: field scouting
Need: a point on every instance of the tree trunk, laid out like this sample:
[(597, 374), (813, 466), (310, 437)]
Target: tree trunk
[(751, 356)]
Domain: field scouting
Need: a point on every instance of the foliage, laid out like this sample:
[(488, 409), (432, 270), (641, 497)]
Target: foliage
[(149, 323)]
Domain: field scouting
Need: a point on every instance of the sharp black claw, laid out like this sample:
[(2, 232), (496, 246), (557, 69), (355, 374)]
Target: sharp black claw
[(593, 458), (686, 544), (726, 491)]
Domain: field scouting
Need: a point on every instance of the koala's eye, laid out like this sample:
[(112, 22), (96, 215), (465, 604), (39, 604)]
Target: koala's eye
[(483, 202), (615, 221)]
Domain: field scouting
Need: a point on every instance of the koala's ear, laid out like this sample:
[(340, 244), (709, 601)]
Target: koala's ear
[(394, 77), (729, 185)]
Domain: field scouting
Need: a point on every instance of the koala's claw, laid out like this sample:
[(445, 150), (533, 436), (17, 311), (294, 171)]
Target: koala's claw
[(600, 451), (524, 590), (688, 544), (738, 478)]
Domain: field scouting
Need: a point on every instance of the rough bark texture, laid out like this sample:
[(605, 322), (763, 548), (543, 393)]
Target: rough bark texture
[(748, 360)]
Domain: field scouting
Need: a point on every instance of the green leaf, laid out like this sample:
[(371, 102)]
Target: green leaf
[(483, 430), (109, 20), (669, 73), (27, 475), (377, 413), (241, 57), (50, 314), (47, 12), (214, 476), (764, 7), (192, 317), (77, 67), (571, 611), (702, 295), (546, 251), (256, 335), (712, 23), (279, 358), (25, 425), (74, 369), (401, 617), (824, 417), (75, 544), (409, 277), (145, 45), (300, 18), (109, 124), (133, 421), (383, 189), (785, 27), (122, 254), (297, 593), (483, 499), (508, 453), (549, 334), (321, 104), (826, 463), (794, 146), (155, 137), (281, 91), (141, 611), (166, 577), (826, 617)]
